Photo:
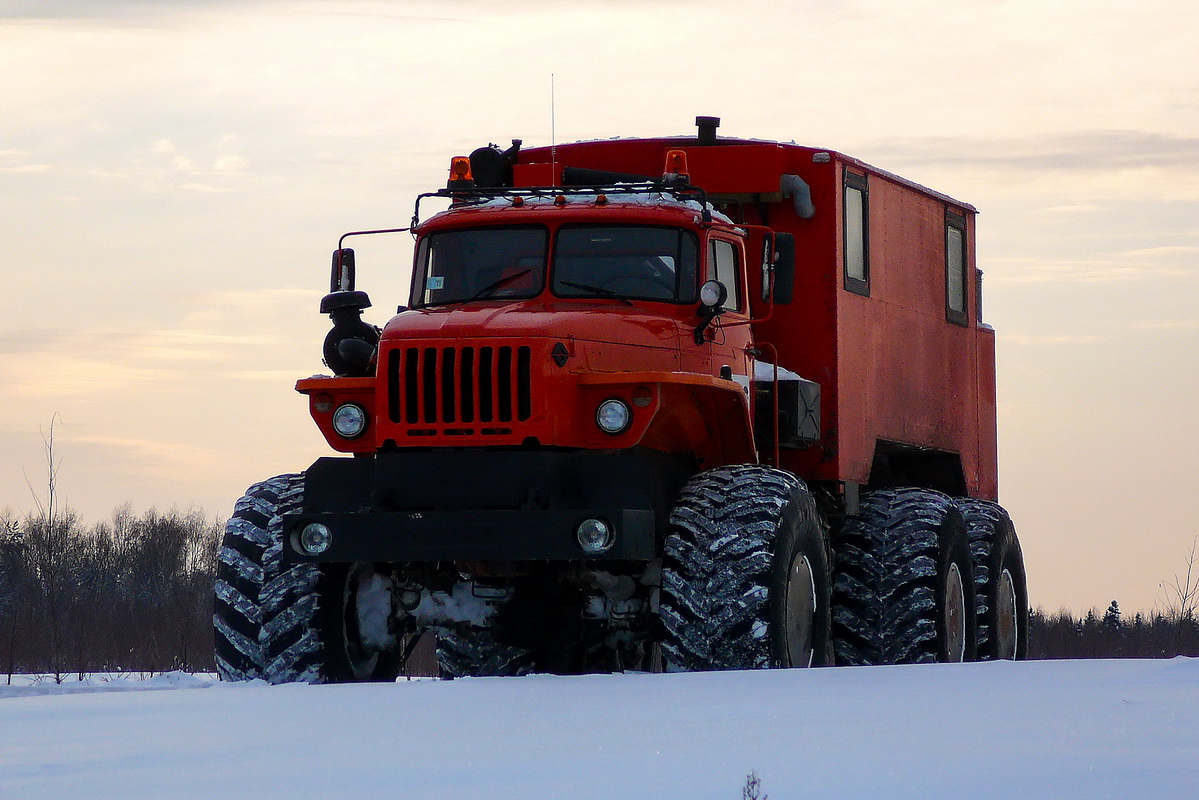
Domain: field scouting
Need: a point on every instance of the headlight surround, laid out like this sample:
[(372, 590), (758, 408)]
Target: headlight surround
[(613, 416), (349, 420)]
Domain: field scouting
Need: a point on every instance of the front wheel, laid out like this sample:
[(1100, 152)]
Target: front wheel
[(745, 574), (355, 610), (283, 621)]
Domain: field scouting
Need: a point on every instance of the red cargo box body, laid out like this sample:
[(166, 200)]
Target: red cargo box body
[(896, 373)]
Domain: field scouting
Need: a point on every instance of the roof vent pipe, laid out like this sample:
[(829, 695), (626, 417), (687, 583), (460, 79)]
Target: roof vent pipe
[(707, 129), (794, 187)]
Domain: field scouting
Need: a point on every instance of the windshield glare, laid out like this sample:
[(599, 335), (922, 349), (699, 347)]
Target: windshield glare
[(459, 266), (631, 262)]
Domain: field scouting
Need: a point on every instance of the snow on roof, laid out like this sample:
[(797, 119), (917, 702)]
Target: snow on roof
[(655, 199)]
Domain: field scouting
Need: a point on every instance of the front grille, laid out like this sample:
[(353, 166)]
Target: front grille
[(459, 385)]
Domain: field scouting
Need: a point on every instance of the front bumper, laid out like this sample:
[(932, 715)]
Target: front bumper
[(474, 535), (487, 505)]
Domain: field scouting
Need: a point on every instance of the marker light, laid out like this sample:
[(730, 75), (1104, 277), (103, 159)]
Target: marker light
[(613, 416), (676, 164), (349, 420), (460, 169)]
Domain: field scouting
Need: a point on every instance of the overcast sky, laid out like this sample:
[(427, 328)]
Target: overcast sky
[(174, 175)]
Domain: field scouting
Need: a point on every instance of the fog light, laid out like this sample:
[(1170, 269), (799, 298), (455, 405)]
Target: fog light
[(314, 539), (594, 536), (613, 416), (349, 421)]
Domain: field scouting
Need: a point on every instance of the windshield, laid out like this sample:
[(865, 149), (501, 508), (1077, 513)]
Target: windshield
[(627, 261), (459, 266)]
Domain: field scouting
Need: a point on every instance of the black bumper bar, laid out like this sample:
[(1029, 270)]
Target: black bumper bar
[(473, 535), (487, 505)]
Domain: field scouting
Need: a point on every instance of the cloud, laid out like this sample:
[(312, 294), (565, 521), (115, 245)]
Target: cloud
[(1167, 325), (108, 10), (1166, 250), (28, 168), (230, 164), (1098, 270), (1043, 339), (205, 188), (152, 457), (49, 363), (1094, 150), (1078, 209)]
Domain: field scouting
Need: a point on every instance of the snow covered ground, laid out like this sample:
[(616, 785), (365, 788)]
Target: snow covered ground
[(1048, 729)]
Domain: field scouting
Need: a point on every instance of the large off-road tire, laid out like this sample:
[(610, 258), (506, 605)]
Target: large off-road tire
[(745, 574), (282, 621), (476, 654), (1000, 584), (903, 590)]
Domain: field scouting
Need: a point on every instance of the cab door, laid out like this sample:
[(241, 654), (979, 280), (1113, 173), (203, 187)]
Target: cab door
[(731, 342)]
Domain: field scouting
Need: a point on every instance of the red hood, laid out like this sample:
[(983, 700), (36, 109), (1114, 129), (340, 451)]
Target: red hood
[(596, 322)]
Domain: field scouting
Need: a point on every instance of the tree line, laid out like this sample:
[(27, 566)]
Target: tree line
[(1161, 634), (134, 594)]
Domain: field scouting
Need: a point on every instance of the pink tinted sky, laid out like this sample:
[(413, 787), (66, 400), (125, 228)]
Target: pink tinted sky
[(174, 175)]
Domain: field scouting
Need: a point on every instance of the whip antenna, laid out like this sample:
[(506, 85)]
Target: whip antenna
[(553, 137)]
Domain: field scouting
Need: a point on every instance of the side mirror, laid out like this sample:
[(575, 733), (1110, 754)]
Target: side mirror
[(784, 267), (341, 276)]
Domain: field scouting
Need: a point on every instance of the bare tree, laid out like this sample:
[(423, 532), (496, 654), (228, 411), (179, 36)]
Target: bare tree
[(46, 546), (1181, 599)]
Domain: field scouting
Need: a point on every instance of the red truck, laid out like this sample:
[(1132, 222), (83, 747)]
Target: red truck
[(679, 403)]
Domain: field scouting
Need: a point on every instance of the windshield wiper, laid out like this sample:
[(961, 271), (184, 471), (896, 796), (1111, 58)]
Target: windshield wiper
[(598, 290), (491, 287)]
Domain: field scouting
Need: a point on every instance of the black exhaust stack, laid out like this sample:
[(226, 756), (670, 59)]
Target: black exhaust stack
[(707, 129)]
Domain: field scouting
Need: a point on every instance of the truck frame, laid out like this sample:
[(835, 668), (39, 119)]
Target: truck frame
[(674, 404)]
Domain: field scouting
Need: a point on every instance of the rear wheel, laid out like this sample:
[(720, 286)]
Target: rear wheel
[(745, 574), (904, 590), (999, 580), (475, 653)]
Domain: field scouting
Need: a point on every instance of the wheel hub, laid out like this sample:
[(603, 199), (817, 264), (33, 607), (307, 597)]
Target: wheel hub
[(800, 612), (955, 616), (1006, 633), (367, 604)]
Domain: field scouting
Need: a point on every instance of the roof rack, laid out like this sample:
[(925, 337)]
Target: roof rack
[(682, 192)]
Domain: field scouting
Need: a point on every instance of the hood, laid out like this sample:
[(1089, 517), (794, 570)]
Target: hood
[(601, 322)]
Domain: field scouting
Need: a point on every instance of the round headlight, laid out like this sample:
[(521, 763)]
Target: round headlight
[(349, 420), (594, 536), (713, 294), (314, 539), (613, 416)]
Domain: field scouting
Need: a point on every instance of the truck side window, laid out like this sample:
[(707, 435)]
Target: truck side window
[(723, 267), (856, 232), (955, 268)]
